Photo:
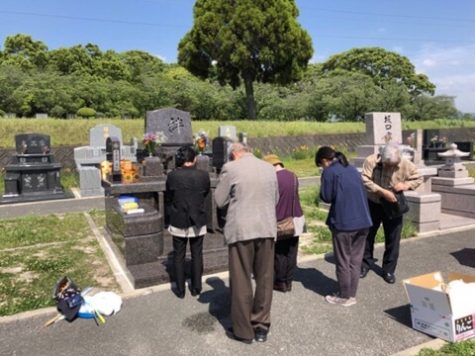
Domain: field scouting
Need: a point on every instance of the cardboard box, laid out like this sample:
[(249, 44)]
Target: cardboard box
[(449, 316)]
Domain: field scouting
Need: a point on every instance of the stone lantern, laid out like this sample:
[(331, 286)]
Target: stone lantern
[(453, 167)]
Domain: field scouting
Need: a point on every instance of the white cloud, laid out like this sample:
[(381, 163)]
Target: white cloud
[(452, 70)]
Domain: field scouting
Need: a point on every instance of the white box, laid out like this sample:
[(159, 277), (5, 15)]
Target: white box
[(448, 316)]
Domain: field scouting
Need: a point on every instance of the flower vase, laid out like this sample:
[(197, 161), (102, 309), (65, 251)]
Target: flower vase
[(152, 166)]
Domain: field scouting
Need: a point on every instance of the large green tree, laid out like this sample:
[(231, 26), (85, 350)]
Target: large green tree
[(246, 41), (382, 66)]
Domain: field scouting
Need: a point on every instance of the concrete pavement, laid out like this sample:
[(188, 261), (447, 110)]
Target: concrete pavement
[(155, 322)]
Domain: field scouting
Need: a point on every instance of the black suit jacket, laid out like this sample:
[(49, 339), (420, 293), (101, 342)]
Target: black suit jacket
[(187, 189)]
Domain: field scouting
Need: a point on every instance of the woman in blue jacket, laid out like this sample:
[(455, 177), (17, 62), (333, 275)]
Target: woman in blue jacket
[(348, 219)]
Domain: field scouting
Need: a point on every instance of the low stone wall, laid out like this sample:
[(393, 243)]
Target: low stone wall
[(282, 145)]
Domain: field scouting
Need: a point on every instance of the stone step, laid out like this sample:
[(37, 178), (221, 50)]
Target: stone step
[(448, 221)]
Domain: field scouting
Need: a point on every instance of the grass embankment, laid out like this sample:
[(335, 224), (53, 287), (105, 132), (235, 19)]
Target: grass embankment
[(76, 131), (321, 240), (36, 251), (464, 348)]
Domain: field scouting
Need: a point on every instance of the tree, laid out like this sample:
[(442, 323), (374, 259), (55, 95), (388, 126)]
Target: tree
[(23, 51), (246, 41), (381, 65)]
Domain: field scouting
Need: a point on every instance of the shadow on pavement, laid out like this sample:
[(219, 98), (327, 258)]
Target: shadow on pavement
[(219, 301), (465, 256), (401, 314), (315, 281)]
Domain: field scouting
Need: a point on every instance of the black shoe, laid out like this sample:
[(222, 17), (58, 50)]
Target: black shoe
[(195, 292), (280, 287), (260, 334), (231, 335), (179, 294), (289, 286), (364, 271), (389, 278)]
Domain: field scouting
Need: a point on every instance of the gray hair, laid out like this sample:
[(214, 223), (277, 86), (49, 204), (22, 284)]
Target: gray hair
[(239, 147), (390, 154)]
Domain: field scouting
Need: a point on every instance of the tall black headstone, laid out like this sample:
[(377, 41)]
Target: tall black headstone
[(220, 147), (113, 155)]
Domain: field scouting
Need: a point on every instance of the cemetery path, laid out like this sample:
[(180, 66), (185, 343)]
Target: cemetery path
[(158, 323)]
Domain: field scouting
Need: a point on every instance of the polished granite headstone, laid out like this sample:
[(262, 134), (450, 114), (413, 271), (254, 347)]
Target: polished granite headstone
[(144, 246), (175, 126), (33, 174), (173, 123)]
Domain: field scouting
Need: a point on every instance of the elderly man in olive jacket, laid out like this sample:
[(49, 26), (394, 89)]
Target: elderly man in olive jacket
[(248, 189)]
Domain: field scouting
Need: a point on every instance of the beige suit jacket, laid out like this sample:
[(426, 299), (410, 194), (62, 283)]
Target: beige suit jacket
[(248, 188)]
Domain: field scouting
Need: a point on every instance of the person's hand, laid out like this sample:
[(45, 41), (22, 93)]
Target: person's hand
[(400, 186), (389, 196)]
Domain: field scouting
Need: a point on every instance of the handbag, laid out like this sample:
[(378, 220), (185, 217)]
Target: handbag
[(397, 209), (286, 226)]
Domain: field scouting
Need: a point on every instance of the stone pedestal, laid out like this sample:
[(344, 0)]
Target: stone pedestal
[(458, 195), (142, 243), (202, 163), (424, 210), (152, 166)]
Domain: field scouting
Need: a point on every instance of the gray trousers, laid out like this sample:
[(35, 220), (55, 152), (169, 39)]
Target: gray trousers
[(348, 247), (249, 309)]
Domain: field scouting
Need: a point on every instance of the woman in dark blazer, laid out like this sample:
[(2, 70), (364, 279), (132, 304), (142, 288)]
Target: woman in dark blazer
[(348, 219), (187, 188)]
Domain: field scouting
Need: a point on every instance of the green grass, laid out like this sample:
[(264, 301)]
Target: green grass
[(31, 230), (35, 252), (76, 131), (301, 167), (471, 172), (464, 348), (321, 240)]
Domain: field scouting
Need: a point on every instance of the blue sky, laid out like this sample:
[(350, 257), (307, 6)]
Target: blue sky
[(438, 36)]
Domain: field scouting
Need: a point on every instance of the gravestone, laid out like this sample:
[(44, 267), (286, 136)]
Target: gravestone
[(381, 129), (113, 155), (33, 174), (99, 134), (228, 131), (173, 123), (88, 158)]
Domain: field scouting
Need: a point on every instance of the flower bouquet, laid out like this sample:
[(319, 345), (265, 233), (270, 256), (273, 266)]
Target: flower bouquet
[(152, 140), (201, 141)]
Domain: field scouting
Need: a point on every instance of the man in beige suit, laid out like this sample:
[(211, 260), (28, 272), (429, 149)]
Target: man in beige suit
[(248, 188)]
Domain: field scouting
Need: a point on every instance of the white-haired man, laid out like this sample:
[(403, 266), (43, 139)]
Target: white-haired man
[(248, 188), (384, 174)]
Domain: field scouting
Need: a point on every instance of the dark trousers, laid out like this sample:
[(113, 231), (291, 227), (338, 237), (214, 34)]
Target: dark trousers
[(348, 247), (392, 238), (285, 259), (250, 309), (196, 248)]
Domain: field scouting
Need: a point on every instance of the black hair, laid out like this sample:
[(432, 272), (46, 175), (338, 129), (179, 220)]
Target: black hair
[(184, 154), (326, 152)]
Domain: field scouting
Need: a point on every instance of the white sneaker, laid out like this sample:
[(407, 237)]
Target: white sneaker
[(335, 299)]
